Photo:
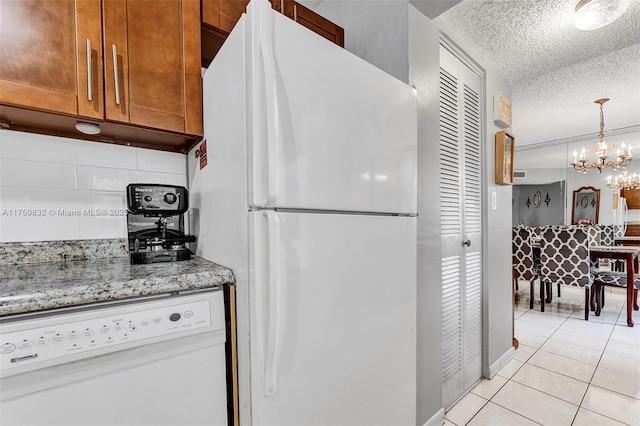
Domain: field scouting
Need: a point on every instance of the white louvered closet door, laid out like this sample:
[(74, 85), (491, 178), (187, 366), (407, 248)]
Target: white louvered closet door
[(461, 226)]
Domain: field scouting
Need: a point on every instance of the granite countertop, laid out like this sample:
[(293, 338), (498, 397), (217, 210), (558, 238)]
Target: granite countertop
[(31, 287)]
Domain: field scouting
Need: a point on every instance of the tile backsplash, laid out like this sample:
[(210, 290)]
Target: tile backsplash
[(55, 188)]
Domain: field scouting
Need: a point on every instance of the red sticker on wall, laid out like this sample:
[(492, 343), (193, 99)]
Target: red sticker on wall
[(203, 154)]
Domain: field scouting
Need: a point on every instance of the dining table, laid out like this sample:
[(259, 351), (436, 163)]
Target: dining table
[(627, 240), (630, 255)]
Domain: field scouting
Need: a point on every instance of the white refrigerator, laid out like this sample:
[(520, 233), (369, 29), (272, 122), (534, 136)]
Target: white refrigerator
[(309, 195)]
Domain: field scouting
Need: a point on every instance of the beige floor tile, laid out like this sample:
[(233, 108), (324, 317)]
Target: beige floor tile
[(627, 351), (563, 365), (620, 336), (580, 340), (448, 423), (552, 383), (634, 331), (510, 369), (465, 409), (524, 352), (620, 364), (494, 415), (528, 339), (580, 353), (618, 382), (588, 328), (611, 404), (543, 318), (589, 418), (608, 315), (535, 405), (487, 388), (534, 328)]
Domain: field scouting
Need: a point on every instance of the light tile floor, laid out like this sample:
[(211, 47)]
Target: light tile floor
[(566, 371)]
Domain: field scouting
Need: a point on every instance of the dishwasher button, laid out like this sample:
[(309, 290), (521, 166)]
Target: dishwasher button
[(43, 341), (188, 314), (174, 317), (87, 332), (25, 344), (7, 348), (74, 335), (58, 338)]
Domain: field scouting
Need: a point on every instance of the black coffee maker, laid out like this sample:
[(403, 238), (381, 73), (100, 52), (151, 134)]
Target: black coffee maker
[(155, 223)]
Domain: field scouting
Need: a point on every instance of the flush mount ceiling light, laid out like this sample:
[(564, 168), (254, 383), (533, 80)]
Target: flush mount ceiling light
[(88, 128), (594, 14)]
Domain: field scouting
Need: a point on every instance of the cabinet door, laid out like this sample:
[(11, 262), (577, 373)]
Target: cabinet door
[(230, 12), (316, 23), (45, 62), (224, 14), (152, 64)]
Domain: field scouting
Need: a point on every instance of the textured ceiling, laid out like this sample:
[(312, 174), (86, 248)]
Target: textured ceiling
[(556, 71)]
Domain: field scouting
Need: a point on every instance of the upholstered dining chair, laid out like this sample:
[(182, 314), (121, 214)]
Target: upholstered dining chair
[(522, 257), (565, 260), (594, 238), (614, 279)]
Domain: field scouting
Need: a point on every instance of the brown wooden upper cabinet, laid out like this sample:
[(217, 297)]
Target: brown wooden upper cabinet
[(220, 16), (51, 56), (126, 62), (316, 23), (152, 63)]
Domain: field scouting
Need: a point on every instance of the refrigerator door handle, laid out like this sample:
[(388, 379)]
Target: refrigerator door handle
[(275, 310), (272, 106)]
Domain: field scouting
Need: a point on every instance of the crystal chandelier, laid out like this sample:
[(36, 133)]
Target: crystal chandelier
[(623, 154), (623, 181)]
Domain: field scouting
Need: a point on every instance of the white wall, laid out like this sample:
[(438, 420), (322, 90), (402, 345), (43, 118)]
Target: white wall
[(424, 37), (55, 188), (376, 31)]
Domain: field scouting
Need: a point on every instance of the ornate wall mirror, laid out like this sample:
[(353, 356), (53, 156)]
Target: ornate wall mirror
[(586, 205)]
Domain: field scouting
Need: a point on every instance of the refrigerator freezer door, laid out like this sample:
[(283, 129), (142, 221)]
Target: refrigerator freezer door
[(329, 131), (333, 331)]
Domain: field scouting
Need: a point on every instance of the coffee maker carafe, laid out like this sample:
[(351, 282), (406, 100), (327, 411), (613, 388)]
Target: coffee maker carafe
[(155, 223)]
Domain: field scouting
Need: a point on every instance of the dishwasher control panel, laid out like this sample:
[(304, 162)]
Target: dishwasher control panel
[(55, 339)]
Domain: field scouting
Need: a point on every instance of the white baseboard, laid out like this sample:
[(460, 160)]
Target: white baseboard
[(501, 362), (437, 419)]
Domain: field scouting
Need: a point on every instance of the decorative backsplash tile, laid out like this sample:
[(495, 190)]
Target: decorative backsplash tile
[(54, 188)]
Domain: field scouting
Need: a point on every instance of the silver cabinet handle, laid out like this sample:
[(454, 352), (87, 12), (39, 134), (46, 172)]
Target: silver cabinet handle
[(115, 73), (295, 12), (467, 243), (89, 72)]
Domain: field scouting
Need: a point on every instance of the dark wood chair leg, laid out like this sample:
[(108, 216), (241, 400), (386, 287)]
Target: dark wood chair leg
[(549, 290), (598, 291), (635, 300), (542, 296), (602, 296), (531, 296), (558, 289), (592, 301), (587, 299)]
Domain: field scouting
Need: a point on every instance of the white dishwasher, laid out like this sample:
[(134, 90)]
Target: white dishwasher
[(158, 361)]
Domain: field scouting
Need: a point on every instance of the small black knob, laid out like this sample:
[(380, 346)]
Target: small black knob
[(174, 317), (148, 198), (170, 198), (467, 243)]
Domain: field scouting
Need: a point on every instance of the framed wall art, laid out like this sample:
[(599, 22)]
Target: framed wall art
[(505, 143)]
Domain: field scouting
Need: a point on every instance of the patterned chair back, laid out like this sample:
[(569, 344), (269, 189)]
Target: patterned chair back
[(618, 231), (522, 253), (606, 235), (564, 255)]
